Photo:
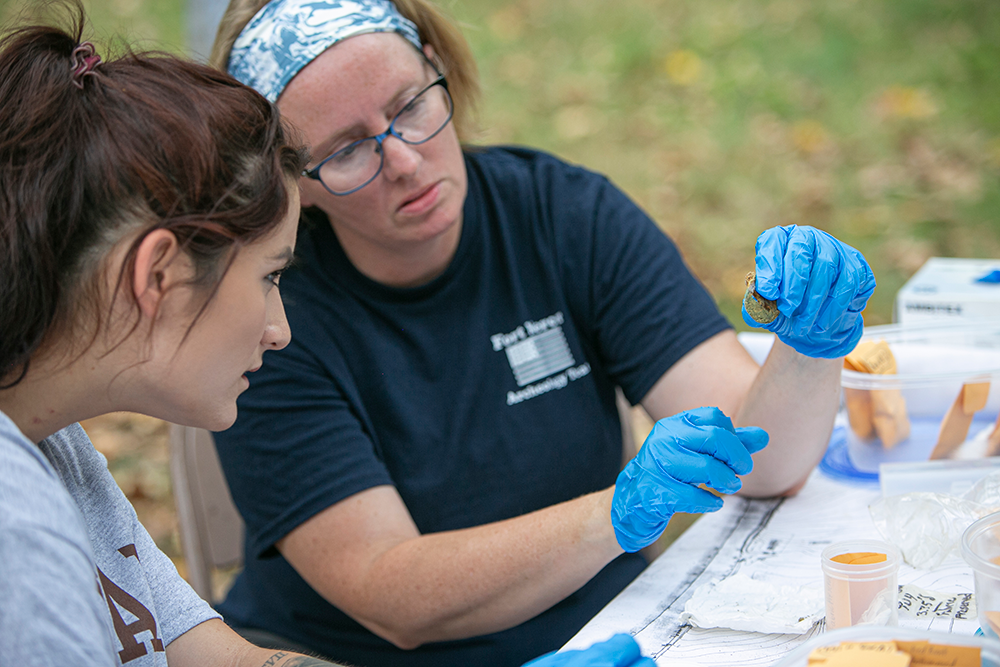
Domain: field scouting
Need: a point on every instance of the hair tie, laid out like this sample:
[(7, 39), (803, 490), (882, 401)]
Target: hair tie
[(83, 61)]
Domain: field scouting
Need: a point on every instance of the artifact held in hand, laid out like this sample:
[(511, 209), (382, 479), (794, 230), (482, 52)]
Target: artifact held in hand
[(763, 311)]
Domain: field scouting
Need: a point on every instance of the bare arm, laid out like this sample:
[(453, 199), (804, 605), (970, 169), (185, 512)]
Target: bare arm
[(214, 644), (792, 397), (365, 556)]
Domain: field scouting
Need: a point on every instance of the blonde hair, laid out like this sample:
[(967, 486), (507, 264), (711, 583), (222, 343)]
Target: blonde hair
[(453, 52)]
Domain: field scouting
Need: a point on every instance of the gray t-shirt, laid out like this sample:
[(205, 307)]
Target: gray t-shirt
[(81, 581)]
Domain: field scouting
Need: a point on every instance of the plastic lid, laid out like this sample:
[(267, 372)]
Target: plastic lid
[(975, 538), (836, 463)]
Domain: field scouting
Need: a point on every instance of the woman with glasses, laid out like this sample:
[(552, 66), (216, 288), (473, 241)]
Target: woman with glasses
[(429, 472)]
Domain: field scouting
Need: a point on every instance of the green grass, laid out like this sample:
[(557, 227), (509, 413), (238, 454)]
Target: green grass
[(878, 121), (145, 24)]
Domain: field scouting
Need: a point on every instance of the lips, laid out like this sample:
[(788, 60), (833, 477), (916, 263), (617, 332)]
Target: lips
[(421, 201)]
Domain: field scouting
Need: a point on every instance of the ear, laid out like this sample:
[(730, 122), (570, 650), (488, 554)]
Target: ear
[(307, 188), (156, 270), (432, 56)]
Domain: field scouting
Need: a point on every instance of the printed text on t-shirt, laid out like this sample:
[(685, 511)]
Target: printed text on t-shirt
[(535, 350)]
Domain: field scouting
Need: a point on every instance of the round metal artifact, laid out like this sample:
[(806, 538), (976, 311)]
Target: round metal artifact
[(763, 311)]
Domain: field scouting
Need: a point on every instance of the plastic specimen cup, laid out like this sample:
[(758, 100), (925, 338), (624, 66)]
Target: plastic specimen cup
[(981, 550), (860, 583)]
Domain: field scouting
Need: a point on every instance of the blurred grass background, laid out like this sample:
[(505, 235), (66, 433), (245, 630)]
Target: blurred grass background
[(878, 121)]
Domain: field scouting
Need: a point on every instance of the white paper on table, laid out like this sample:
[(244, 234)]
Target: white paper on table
[(771, 540), (739, 602)]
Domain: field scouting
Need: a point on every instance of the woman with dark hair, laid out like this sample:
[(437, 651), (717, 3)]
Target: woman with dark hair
[(147, 212)]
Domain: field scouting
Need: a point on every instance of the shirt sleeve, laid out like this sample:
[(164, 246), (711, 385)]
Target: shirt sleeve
[(644, 308), (123, 549), (178, 607)]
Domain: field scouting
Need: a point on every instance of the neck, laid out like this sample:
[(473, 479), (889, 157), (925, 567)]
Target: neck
[(57, 393), (409, 264)]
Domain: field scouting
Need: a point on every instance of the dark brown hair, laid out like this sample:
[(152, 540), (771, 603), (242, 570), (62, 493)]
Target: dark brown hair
[(149, 141)]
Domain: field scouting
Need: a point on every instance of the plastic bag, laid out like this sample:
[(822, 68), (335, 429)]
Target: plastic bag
[(927, 527)]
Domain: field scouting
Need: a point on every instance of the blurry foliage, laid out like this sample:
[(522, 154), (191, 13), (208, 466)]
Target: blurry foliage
[(877, 121), (143, 24)]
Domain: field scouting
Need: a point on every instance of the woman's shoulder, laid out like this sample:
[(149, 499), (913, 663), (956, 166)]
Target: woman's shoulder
[(515, 157), (514, 169)]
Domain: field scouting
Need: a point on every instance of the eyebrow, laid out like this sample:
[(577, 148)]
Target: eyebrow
[(324, 148), (286, 255)]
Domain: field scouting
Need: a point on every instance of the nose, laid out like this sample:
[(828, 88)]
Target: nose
[(277, 333), (399, 159)]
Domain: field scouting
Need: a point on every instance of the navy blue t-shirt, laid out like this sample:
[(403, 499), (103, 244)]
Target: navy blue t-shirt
[(483, 395)]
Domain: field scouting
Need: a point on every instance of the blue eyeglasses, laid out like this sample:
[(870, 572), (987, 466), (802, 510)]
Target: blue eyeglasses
[(353, 167)]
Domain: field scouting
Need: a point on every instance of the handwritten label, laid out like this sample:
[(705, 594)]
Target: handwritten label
[(895, 654), (921, 603)]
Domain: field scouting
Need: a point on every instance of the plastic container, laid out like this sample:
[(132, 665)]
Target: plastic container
[(933, 363), (946, 476), (860, 594), (981, 550), (989, 649)]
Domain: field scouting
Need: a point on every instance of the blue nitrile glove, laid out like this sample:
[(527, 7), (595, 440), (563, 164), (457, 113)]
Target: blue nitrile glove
[(619, 651), (695, 447), (820, 285)]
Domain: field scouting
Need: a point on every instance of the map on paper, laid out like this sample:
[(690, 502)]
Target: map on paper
[(777, 541)]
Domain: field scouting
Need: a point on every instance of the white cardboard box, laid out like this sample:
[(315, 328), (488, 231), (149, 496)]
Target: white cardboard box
[(945, 289)]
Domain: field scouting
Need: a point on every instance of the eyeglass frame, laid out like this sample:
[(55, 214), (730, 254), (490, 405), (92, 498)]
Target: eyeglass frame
[(379, 138)]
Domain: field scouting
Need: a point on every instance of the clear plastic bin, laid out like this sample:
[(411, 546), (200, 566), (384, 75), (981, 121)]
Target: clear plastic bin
[(989, 648), (933, 363)]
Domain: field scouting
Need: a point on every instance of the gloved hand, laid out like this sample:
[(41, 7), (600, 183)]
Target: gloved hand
[(690, 448), (619, 651), (820, 285)]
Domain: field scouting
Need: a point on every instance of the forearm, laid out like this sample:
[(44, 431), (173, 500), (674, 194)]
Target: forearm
[(795, 399), (260, 657), (469, 582), (215, 644)]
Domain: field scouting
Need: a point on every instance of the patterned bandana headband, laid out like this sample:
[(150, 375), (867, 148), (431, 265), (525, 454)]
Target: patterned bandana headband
[(286, 35)]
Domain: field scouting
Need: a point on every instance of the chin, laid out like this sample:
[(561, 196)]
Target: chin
[(219, 419), (223, 421)]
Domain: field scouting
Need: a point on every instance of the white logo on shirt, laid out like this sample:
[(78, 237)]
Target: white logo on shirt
[(536, 350)]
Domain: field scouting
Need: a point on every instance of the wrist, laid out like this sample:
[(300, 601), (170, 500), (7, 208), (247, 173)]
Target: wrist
[(598, 528)]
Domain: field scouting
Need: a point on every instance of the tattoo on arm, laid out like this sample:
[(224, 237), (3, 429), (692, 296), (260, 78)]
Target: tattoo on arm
[(273, 660), (296, 661)]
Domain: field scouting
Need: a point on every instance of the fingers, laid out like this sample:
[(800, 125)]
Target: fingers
[(619, 651), (715, 428), (710, 432), (753, 438), (797, 265), (682, 452), (820, 284), (707, 416), (641, 510), (768, 265)]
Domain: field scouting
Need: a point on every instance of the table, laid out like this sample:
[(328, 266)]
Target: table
[(776, 540)]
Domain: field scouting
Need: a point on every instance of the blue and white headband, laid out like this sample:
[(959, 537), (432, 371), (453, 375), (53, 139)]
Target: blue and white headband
[(286, 35)]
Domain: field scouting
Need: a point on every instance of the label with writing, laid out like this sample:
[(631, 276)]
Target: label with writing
[(921, 603)]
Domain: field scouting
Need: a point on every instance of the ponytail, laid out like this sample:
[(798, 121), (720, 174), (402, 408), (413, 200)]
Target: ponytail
[(93, 150)]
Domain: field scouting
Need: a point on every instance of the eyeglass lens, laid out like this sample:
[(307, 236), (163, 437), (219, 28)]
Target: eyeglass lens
[(354, 166)]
